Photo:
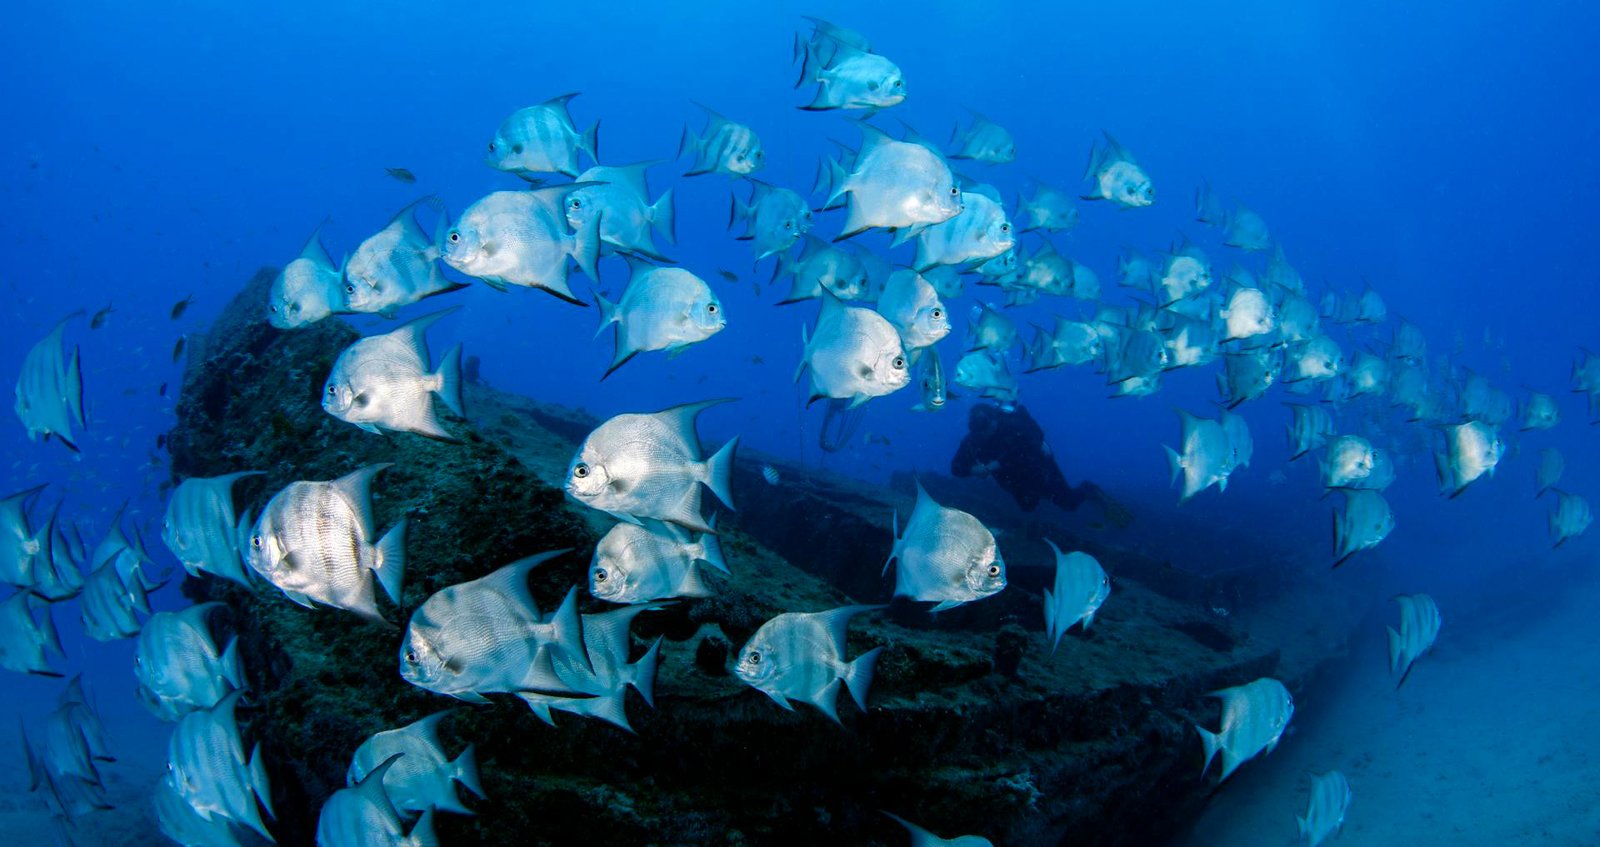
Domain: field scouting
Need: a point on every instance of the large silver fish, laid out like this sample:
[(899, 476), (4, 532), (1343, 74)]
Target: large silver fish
[(363, 816), (1315, 359), (978, 233), (1254, 717), (201, 527), (639, 564), (424, 777), (50, 390), (945, 556), (1114, 175), (620, 198), (24, 637), (1470, 450), (1324, 817), (1186, 273), (853, 354), (522, 238), (1419, 628), (895, 184), (800, 656), (661, 309), (848, 75), (314, 542), (486, 635), (1570, 518), (984, 141), (397, 266), (648, 466), (541, 139), (911, 304), (1247, 315), (385, 382), (308, 289), (1362, 524), (774, 219), (207, 767), (178, 665), (724, 146), (1080, 587), (1206, 457)]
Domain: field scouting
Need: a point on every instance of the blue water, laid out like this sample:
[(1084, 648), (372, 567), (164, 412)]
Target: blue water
[(1446, 154)]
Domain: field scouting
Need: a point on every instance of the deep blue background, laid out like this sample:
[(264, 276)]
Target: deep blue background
[(1448, 155)]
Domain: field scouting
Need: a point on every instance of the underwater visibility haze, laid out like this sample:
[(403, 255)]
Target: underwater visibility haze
[(1086, 424)]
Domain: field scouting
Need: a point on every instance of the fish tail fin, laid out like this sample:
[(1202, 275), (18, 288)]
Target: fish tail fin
[(1211, 743), (1300, 825), (586, 248), (422, 835), (449, 375), (836, 182), (805, 352), (644, 673), (608, 311), (49, 635), (569, 628), (664, 218), (229, 665), (894, 534), (1174, 462), (1050, 621), (589, 142), (688, 143), (465, 770), (75, 389), (390, 567), (258, 782), (858, 675), (1394, 650), (719, 472), (711, 551)]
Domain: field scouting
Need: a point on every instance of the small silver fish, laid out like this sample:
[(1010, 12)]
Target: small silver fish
[(770, 474), (424, 777), (1470, 450), (1363, 523), (1254, 717), (599, 671), (984, 141), (945, 556), (1351, 459), (541, 139), (207, 767), (201, 527), (1311, 428), (978, 233), (620, 198), (853, 354), (934, 395), (985, 373), (384, 382), (1080, 587), (50, 390), (661, 309), (1551, 466), (24, 637), (848, 75), (1419, 628), (648, 466), (522, 238), (1248, 315), (397, 266), (314, 542), (800, 656), (724, 146), (1206, 456), (640, 564), (308, 289), (1324, 817), (1540, 411), (21, 546), (774, 219), (822, 267), (178, 665), (911, 304), (1570, 518), (363, 816), (1115, 176), (894, 184)]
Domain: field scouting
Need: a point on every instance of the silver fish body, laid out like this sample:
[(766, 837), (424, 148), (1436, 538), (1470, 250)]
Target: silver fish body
[(308, 289), (27, 630), (978, 233), (1080, 587), (1419, 628), (800, 656), (363, 816), (541, 139), (522, 238), (1254, 717), (1114, 175), (911, 304), (620, 198), (636, 563), (895, 184), (386, 382), (423, 777), (396, 266), (724, 146), (201, 527), (984, 141), (661, 309), (1206, 457), (1570, 518), (50, 390), (207, 767), (178, 665), (774, 219), (649, 466), (1364, 522), (853, 354), (945, 556), (1324, 817)]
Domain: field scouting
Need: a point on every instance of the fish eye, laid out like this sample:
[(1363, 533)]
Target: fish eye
[(332, 390), (411, 655), (954, 191), (899, 362), (994, 570), (350, 288), (491, 147), (600, 575), (255, 541), (1005, 227), (899, 83), (576, 203), (755, 657), (788, 224), (580, 470), (712, 308), (455, 236), (938, 313)]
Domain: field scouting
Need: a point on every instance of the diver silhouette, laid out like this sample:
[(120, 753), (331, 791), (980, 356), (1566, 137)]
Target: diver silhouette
[(1009, 447)]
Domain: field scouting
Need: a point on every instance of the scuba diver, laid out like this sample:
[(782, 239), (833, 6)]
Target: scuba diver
[(1009, 447)]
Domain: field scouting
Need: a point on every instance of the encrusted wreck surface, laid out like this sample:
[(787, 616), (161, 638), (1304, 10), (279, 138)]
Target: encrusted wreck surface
[(973, 726)]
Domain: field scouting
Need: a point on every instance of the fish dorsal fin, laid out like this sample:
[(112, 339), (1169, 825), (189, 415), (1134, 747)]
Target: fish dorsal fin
[(559, 102), (632, 176), (714, 118), (871, 139), (413, 335), (511, 581), (837, 621), (371, 786), (356, 488), (427, 729), (605, 635), (680, 420), (405, 220), (316, 252), (637, 265)]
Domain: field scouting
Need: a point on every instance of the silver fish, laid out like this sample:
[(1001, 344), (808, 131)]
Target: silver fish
[(21, 546), (424, 777), (1208, 207), (201, 527), (522, 238), (848, 75), (1324, 817), (895, 184), (910, 303), (384, 382), (853, 354), (542, 139), (620, 198), (50, 390), (110, 604), (945, 556), (774, 219), (397, 266), (822, 267), (24, 637), (1311, 428), (989, 329), (207, 767), (1254, 717), (984, 141), (1114, 175), (600, 672), (648, 466), (178, 665), (1241, 446), (1470, 450), (179, 821), (1540, 411), (1570, 518), (1185, 274), (934, 395), (1315, 359), (1080, 587), (1363, 523), (661, 309), (308, 289), (978, 233), (985, 373), (363, 816), (1551, 466), (1247, 315), (1419, 628), (486, 635), (1206, 458), (1368, 375), (58, 571), (923, 838), (1351, 459), (314, 542), (640, 564), (126, 554), (800, 656), (1049, 209), (1246, 230), (724, 146)]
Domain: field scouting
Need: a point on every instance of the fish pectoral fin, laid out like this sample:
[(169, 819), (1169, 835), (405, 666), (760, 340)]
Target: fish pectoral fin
[(944, 605), (300, 598), (778, 698)]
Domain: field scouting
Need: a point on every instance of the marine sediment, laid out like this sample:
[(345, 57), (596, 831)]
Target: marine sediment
[(973, 726)]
